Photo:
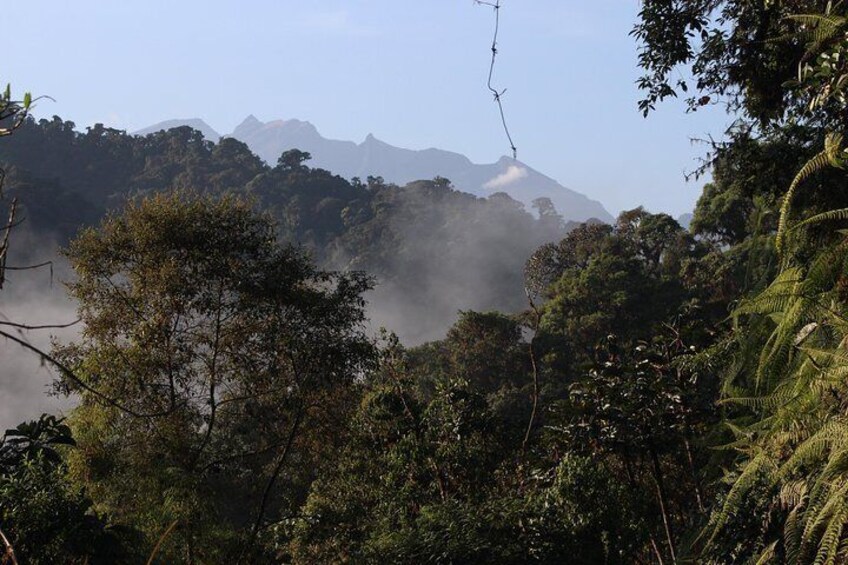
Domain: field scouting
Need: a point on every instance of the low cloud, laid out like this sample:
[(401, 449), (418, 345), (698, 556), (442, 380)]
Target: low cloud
[(512, 174), (32, 297)]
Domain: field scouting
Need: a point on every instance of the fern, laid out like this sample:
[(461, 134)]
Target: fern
[(789, 378), (831, 155), (740, 488), (768, 555), (831, 215), (820, 29)]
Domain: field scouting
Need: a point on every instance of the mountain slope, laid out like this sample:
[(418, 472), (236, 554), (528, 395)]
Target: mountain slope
[(373, 157), (194, 123)]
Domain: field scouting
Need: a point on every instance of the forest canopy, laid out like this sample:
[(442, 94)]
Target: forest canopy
[(627, 393)]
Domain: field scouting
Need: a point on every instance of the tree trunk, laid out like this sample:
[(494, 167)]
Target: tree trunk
[(663, 500), (537, 317), (699, 495), (266, 495)]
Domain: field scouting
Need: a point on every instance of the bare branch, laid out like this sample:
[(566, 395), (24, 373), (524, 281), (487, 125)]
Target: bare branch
[(4, 246), (67, 372), (9, 553), (41, 327), (152, 558)]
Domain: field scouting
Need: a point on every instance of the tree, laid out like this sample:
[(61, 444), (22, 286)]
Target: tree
[(601, 280), (213, 358), (12, 115), (46, 517), (637, 409), (293, 160), (428, 476), (740, 51), (786, 386)]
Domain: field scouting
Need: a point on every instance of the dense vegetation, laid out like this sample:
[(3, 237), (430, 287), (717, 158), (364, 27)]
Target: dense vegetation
[(646, 394), (432, 248)]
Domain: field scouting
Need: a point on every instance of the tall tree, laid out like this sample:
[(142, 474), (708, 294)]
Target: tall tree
[(212, 359)]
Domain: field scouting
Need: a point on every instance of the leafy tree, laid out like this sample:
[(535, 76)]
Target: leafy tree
[(46, 517), (12, 115), (739, 51), (213, 361), (428, 477), (639, 409), (601, 280)]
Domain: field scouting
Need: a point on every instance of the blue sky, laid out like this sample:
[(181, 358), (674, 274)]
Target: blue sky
[(411, 73)]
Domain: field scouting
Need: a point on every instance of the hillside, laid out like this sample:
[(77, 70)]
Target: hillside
[(428, 245), (373, 157)]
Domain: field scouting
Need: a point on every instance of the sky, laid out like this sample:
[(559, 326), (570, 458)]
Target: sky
[(411, 73)]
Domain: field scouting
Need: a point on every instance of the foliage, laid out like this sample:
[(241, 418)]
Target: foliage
[(46, 517), (652, 395), (739, 51), (790, 436), (12, 112), (213, 358), (432, 248), (429, 477), (602, 280)]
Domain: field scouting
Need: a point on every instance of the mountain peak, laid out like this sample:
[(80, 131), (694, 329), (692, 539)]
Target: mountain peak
[(247, 126), (372, 141), (194, 123), (400, 166), (293, 124)]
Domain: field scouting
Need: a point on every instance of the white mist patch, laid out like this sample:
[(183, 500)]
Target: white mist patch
[(32, 298), (512, 174)]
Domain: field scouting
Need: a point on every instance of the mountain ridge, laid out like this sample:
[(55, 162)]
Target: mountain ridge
[(374, 157)]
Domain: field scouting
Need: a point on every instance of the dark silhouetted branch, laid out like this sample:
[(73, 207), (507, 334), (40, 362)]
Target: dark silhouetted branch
[(67, 372)]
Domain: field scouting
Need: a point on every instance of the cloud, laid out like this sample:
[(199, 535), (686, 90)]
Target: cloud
[(512, 174)]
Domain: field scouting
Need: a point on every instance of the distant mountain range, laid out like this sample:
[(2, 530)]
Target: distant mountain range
[(400, 166)]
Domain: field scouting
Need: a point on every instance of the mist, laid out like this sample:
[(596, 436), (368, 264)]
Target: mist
[(449, 262), (32, 297)]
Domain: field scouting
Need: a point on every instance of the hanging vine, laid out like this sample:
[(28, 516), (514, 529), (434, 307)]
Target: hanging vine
[(498, 94)]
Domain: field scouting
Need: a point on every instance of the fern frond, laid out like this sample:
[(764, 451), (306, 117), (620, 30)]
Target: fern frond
[(830, 521), (768, 555), (822, 28), (740, 488), (814, 448), (831, 215), (829, 156), (830, 540), (792, 536)]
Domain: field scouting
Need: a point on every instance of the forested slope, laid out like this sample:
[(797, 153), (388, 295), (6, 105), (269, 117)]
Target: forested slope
[(663, 396), (433, 249)]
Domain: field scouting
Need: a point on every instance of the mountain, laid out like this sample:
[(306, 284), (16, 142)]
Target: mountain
[(397, 165), (194, 123)]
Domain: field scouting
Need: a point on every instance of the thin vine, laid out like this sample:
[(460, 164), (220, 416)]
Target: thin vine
[(497, 94)]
